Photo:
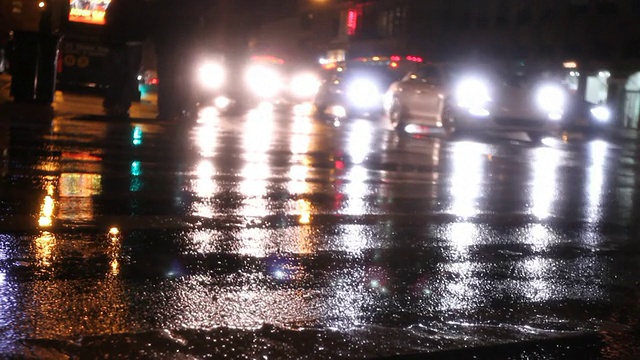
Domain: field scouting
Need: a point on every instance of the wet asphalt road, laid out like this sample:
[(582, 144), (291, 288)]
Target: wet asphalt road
[(279, 236)]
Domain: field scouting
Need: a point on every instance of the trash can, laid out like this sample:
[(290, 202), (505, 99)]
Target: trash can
[(33, 66)]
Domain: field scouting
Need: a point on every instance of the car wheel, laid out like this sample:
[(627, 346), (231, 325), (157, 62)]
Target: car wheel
[(397, 117), (449, 122)]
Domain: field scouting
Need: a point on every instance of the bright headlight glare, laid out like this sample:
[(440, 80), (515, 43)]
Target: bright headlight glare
[(551, 98), (305, 85), (479, 112), (387, 100), (222, 102), (263, 81), (337, 111), (364, 94), (211, 75), (472, 94), (601, 113), (555, 116)]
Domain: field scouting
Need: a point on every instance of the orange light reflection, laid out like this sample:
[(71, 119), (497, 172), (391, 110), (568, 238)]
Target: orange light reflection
[(44, 246)]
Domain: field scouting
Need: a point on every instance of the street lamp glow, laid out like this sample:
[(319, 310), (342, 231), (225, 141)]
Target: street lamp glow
[(114, 234)]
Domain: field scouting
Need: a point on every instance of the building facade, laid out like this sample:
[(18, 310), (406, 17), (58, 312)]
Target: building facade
[(302, 31), (18, 15), (603, 30), (599, 36)]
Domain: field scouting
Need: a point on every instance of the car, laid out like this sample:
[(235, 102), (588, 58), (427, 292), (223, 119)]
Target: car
[(590, 113), (303, 84), (238, 83), (355, 88), (148, 77), (591, 120), (464, 97)]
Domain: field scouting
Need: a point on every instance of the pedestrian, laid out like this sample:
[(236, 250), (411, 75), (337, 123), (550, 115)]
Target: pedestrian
[(125, 31)]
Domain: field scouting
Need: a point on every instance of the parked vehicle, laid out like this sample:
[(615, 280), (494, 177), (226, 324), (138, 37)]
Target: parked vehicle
[(236, 84)]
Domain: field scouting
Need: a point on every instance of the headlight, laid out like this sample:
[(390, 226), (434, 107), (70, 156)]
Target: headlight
[(222, 102), (305, 85), (211, 75), (364, 94), (551, 99), (601, 113), (263, 81), (337, 111), (473, 94)]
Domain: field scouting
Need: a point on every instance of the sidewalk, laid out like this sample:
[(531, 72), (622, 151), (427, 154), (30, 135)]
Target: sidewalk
[(74, 105)]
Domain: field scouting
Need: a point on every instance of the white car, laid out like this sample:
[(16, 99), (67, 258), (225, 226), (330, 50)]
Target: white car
[(461, 98)]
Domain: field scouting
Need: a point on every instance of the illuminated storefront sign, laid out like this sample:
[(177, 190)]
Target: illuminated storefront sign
[(352, 22), (88, 11)]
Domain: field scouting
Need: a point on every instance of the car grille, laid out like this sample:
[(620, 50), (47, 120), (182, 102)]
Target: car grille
[(518, 122)]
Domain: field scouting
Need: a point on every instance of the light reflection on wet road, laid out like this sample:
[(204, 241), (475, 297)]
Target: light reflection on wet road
[(251, 229)]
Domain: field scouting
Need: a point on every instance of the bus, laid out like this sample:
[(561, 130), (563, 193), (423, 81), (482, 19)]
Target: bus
[(83, 55)]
